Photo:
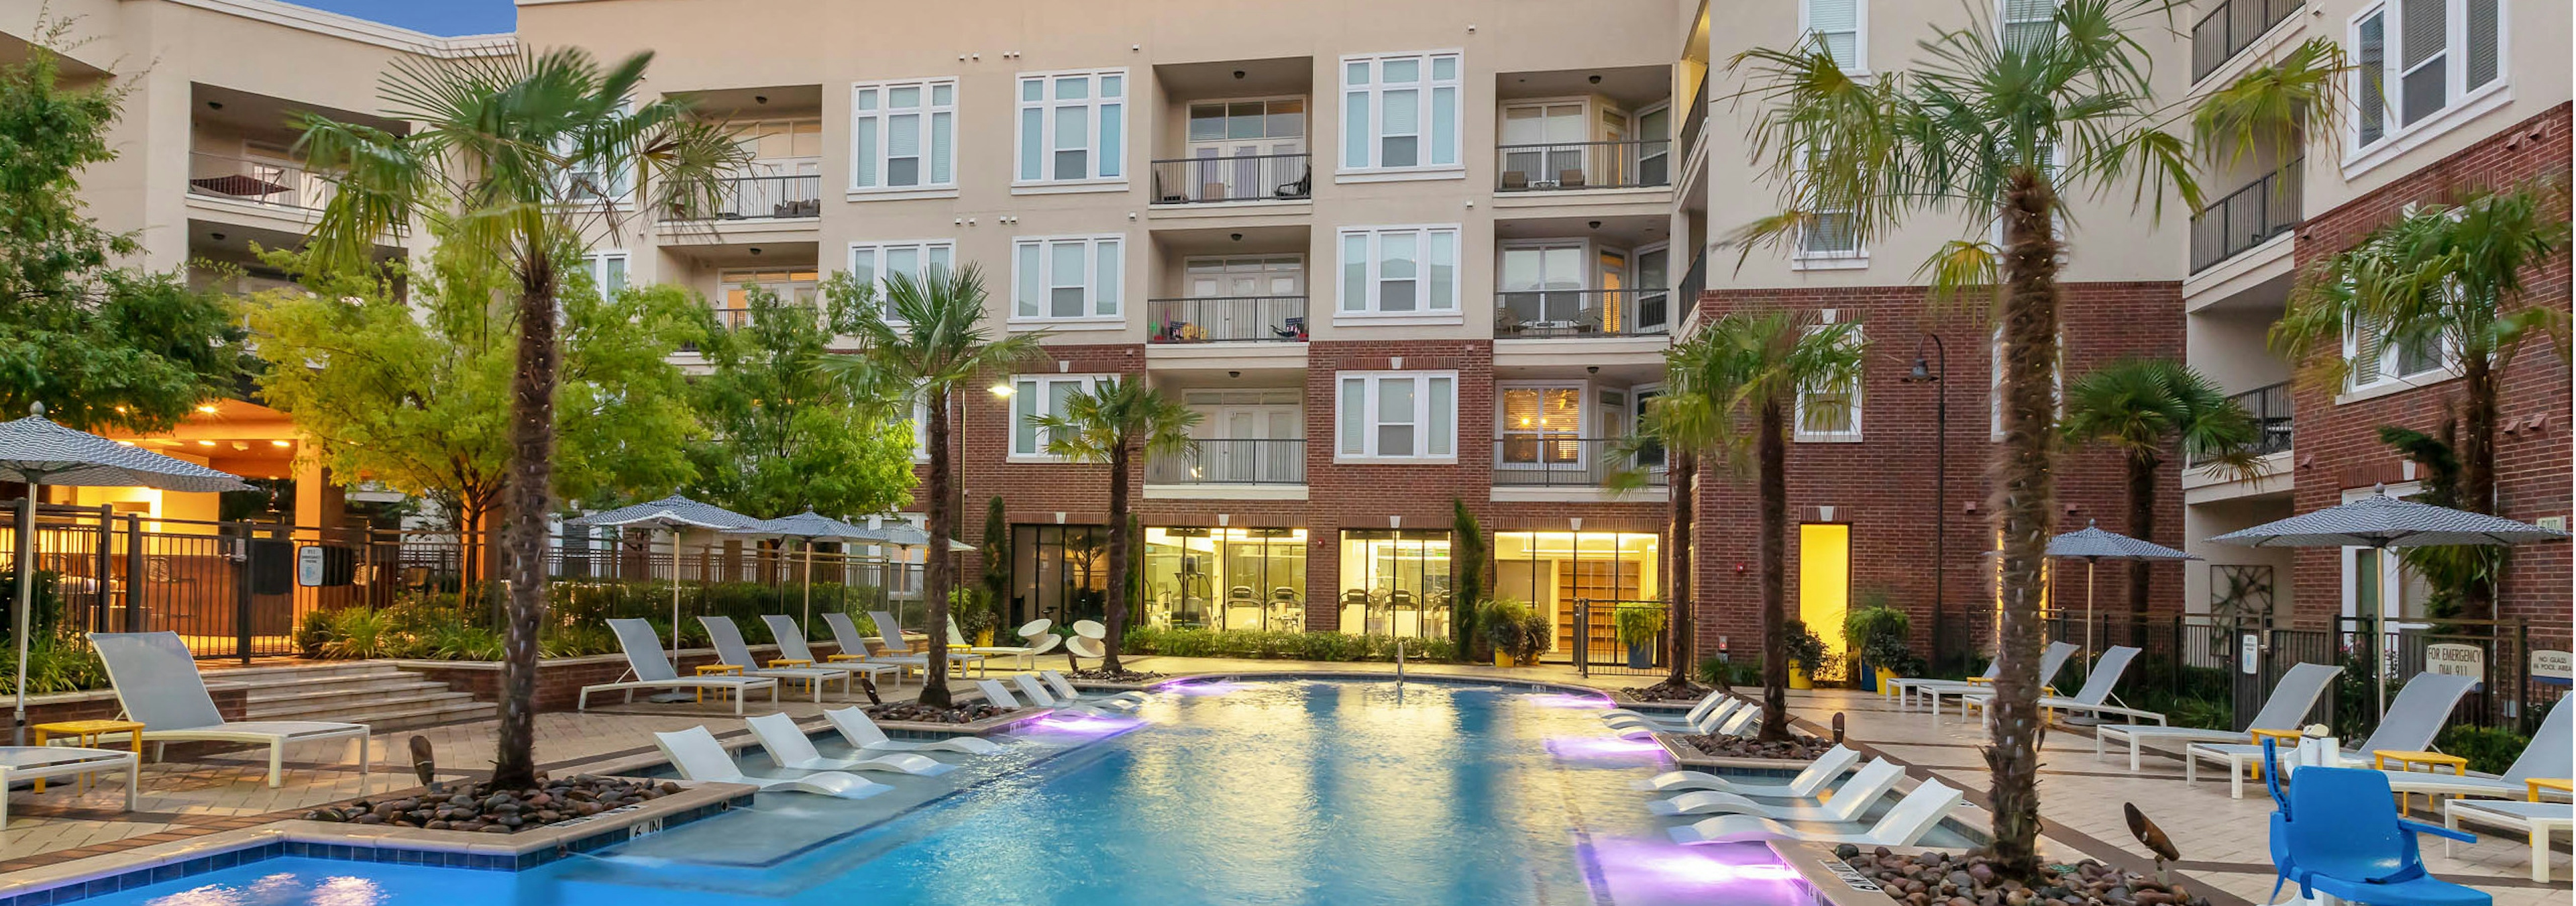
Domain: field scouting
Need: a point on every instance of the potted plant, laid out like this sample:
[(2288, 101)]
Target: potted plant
[(974, 614), (1501, 622), (1878, 632), (1638, 627), (1805, 651), (1538, 634)]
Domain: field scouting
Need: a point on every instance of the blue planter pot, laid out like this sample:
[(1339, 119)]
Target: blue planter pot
[(1641, 656)]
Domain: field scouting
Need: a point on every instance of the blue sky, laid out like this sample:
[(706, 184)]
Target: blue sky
[(437, 17)]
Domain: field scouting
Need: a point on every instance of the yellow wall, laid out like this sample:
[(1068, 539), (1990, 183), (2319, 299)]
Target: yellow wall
[(1824, 580)]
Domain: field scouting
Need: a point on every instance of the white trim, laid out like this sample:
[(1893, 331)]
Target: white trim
[(1038, 391), (883, 115), (1430, 309), (1290, 492), (897, 194), (1511, 494), (1099, 161), (1069, 187), (1093, 296), (1427, 87), (1860, 34), (1420, 418), (2460, 103), (1418, 174)]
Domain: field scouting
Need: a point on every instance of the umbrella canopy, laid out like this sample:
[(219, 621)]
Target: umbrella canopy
[(2092, 543), (905, 534), (2383, 521), (808, 526), (674, 511)]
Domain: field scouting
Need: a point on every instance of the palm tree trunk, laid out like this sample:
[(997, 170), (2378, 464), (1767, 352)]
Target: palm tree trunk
[(524, 505), (2142, 525), (1677, 566), (1116, 613), (2025, 491), (2477, 467), (942, 518), (1772, 448)]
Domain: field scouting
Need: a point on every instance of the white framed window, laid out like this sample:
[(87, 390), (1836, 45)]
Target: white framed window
[(920, 426), (903, 135), (872, 262), (607, 271), (1539, 425), (1830, 412), (1399, 415), (1399, 271), (2025, 24), (1843, 26), (1995, 381), (1831, 236), (2375, 362), (1036, 395), (1073, 126), (2415, 59), (587, 183), (1066, 278), (1401, 111), (2376, 580)]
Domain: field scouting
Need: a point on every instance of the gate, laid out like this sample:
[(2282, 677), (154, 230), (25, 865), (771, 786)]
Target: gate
[(1592, 635)]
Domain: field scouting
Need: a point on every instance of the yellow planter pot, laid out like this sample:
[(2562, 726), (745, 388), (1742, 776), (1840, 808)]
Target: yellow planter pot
[(1502, 659), (984, 638), (1884, 676), (1798, 676)]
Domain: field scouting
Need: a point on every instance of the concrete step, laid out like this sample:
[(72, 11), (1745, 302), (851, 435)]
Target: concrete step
[(362, 711), (375, 693), (260, 676), (446, 713), (288, 698)]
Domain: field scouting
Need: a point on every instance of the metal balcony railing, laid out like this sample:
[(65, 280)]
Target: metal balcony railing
[(1232, 461), (2274, 420), (1697, 118), (1566, 166), (769, 198), (2230, 28), (1553, 313), (1227, 319), (1561, 461), (257, 181), (1246, 177), (2247, 217)]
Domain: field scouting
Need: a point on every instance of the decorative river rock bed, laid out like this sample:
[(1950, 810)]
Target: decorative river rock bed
[(1946, 879), (1802, 748), (476, 807), (916, 712), (1666, 691), (1125, 677)]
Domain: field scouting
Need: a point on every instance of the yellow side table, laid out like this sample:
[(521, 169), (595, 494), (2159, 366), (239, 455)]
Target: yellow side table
[(86, 734), (790, 662), (716, 670), (2536, 784), (2406, 761), (2289, 739)]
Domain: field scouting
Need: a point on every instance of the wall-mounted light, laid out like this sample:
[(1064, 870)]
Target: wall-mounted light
[(1002, 390)]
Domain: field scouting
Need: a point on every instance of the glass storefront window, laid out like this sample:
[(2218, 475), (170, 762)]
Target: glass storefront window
[(1225, 578), (1059, 573), (1552, 570), (1395, 583)]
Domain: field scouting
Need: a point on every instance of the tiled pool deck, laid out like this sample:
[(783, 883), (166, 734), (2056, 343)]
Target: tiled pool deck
[(2222, 839)]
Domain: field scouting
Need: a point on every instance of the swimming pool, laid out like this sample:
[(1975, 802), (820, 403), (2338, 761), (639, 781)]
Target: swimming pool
[(1274, 792)]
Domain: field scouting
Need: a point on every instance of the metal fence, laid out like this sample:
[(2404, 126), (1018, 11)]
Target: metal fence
[(1590, 635), (1232, 461), (1244, 177), (1565, 166), (2231, 27), (256, 181), (1557, 460), (1551, 313), (1226, 319), (2247, 217), (770, 197)]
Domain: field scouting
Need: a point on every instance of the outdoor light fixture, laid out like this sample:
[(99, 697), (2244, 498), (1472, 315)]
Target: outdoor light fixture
[(281, 443), (208, 408), (1002, 390), (1933, 369)]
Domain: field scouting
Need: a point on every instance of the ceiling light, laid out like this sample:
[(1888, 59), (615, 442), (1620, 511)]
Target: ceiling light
[(205, 443), (1002, 390), (207, 408), (281, 443)]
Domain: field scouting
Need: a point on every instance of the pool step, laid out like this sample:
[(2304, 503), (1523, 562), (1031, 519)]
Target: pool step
[(375, 693)]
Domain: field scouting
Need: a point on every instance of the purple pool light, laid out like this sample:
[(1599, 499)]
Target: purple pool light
[(1201, 687), (1635, 867), (1568, 700), (1083, 724), (1604, 748)]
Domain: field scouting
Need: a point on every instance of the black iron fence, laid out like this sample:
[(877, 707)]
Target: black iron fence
[(1562, 166), (1244, 177), (1227, 319), (1559, 460), (1557, 313), (1615, 638), (2247, 217), (769, 197), (1232, 461), (2230, 28), (2271, 410)]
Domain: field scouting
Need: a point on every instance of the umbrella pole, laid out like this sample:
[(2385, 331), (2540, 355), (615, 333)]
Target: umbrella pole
[(2379, 645), (809, 587), (675, 596), (2089, 563), (26, 607)]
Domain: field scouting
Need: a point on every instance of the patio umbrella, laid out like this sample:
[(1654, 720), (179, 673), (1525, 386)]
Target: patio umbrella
[(808, 527), (2380, 522), (674, 513), (894, 532), (2094, 546), (38, 452)]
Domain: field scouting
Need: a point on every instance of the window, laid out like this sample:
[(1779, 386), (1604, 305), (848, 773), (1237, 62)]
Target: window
[(1829, 413), (2377, 582), (2444, 51), (1539, 426), (1395, 583), (585, 182), (1995, 380), (1066, 279), (2026, 24), (607, 271), (1400, 270), (791, 286), (872, 262), (903, 135), (1400, 112), (920, 426), (1039, 395), (1552, 571), (1398, 415), (2375, 361), (1072, 126), (1831, 233), (1842, 25), (1225, 578)]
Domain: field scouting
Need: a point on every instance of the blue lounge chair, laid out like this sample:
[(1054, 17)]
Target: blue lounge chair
[(2337, 832)]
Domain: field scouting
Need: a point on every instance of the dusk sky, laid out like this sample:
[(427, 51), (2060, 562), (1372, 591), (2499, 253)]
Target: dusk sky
[(437, 17)]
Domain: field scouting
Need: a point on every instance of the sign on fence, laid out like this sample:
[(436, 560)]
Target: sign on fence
[(2455, 659), (2553, 667), (2249, 654)]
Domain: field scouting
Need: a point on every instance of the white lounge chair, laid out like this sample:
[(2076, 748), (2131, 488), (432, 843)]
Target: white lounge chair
[(1903, 687), (1741, 721), (1819, 772), (2413, 719), (2095, 698), (652, 669), (1023, 656), (1064, 689), (39, 762), (791, 647), (1901, 826), (2551, 753), (1036, 692), (730, 649), (2051, 661), (699, 757), (2286, 709), (2535, 820), (1866, 786), (862, 733), (157, 684), (1698, 719), (996, 694), (1705, 704), (889, 637), (789, 747)]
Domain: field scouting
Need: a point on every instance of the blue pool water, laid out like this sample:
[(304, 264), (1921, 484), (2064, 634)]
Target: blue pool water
[(1290, 792)]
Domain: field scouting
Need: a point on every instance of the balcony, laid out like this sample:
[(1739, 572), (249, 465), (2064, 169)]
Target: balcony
[(2270, 408), (1581, 313), (769, 198), (1243, 177), (1227, 319), (2247, 217), (1570, 166), (1556, 461), (263, 182), (2231, 28), (1225, 461)]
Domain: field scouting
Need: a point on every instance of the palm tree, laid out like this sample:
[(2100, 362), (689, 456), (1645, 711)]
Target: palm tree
[(1983, 129), (516, 157), (2137, 407), (1750, 368), (1109, 424), (926, 340), (1679, 443), (2446, 275)]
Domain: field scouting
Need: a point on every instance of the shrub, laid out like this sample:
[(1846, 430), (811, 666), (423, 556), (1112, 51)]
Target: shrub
[(1638, 625), (358, 633), (1879, 632), (1715, 669), (1261, 643), (56, 662), (2488, 749), (1803, 647)]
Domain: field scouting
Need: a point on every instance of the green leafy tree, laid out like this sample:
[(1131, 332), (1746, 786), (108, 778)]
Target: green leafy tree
[(929, 337), (784, 439), (2141, 408), (101, 346), (1110, 423), (1473, 559), (996, 551), (517, 158), (1985, 126), (2449, 276), (1747, 369)]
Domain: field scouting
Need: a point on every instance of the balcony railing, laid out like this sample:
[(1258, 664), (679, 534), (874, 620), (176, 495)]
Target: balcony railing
[(770, 198), (1554, 313), (2246, 217), (1245, 177), (257, 181), (1227, 319), (1566, 166), (1697, 118), (2232, 27), (1231, 461), (2270, 408), (1558, 461)]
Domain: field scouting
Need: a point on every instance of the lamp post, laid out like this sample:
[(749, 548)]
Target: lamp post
[(1936, 372)]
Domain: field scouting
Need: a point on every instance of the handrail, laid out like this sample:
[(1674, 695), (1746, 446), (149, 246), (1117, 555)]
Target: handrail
[(1561, 166), (1242, 177), (775, 197), (1226, 319), (2274, 414), (1232, 461), (2247, 217), (1553, 313), (2231, 28), (1540, 459)]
